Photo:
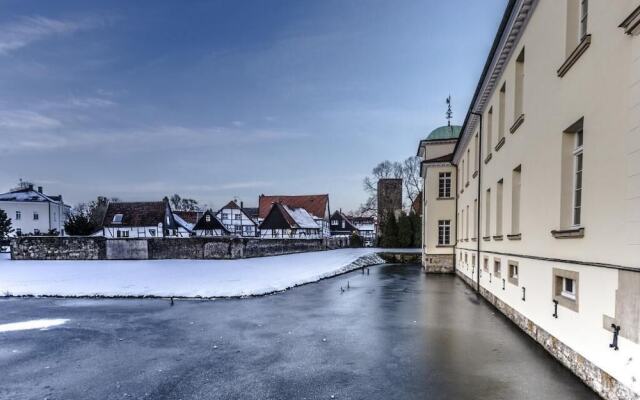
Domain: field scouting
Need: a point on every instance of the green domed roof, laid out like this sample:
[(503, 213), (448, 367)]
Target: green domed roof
[(445, 132)]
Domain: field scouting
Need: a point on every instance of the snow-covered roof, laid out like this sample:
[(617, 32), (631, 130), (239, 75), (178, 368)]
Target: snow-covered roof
[(29, 195), (302, 218), (186, 225)]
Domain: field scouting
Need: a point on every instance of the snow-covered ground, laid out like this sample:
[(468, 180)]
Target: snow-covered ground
[(180, 278), (42, 324)]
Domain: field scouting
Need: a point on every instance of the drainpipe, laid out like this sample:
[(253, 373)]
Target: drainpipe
[(455, 253), (479, 158)]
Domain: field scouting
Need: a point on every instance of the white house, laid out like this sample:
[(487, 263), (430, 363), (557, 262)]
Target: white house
[(140, 220), (34, 213), (236, 220)]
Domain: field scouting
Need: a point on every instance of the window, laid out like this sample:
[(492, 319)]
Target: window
[(36, 216), (501, 111), (462, 225), (444, 185), (444, 232), (489, 130), (577, 179), (518, 109), (584, 14), (467, 225), (475, 219), (238, 229), (18, 215), (36, 231), (152, 232), (473, 260), (565, 288), (343, 224), (462, 176), (513, 272), (515, 200), (117, 219), (499, 208), (19, 232), (487, 214), (237, 217), (476, 155), (207, 218), (225, 216), (485, 265), (335, 222), (497, 269), (468, 163)]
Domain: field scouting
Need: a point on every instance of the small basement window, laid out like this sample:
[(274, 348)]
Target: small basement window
[(513, 272), (566, 288)]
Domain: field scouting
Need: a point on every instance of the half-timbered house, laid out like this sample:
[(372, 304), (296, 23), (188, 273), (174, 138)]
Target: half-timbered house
[(237, 220), (139, 220), (341, 225), (209, 225), (283, 222), (317, 205)]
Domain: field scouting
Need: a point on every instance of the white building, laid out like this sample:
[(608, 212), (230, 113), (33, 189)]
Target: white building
[(210, 226), (237, 221), (145, 219), (34, 213)]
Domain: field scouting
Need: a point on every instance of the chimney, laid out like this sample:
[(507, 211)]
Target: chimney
[(242, 205), (31, 186), (39, 189)]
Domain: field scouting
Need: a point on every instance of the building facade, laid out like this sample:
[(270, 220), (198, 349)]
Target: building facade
[(237, 221), (438, 198), (317, 205), (34, 213), (548, 184), (284, 222)]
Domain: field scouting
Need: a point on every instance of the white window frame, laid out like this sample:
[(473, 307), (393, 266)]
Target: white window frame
[(18, 215), (36, 216), (569, 294), (444, 232), (577, 155), (444, 185)]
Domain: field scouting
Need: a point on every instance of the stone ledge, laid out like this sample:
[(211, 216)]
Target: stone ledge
[(515, 236), (488, 158), (500, 144), (574, 56), (571, 233), (517, 124)]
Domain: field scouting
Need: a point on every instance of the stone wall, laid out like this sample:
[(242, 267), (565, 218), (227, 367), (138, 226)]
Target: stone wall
[(400, 258), (58, 248), (99, 248), (602, 383), (438, 263)]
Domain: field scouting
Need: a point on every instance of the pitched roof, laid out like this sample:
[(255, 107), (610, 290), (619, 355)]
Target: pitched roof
[(189, 216), (29, 195), (232, 204), (252, 212), (213, 223), (315, 204), (349, 225), (283, 217), (142, 213)]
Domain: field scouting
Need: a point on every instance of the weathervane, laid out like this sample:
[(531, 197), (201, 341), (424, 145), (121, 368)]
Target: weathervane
[(449, 112)]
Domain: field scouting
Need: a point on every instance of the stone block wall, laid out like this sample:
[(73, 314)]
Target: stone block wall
[(58, 248), (438, 263), (99, 248)]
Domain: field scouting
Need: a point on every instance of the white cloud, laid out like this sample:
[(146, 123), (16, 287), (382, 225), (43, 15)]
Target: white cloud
[(26, 120), (27, 30)]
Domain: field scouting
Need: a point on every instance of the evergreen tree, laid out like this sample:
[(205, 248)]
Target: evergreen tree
[(5, 225), (79, 224), (405, 231), (416, 225), (356, 240), (390, 231)]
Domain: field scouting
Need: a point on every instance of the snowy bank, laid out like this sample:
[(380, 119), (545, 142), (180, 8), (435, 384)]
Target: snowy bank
[(179, 278)]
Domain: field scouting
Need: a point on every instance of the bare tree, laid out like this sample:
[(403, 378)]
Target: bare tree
[(408, 171), (183, 204), (411, 178)]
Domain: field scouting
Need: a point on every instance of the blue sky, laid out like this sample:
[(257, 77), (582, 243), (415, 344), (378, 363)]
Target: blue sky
[(222, 99)]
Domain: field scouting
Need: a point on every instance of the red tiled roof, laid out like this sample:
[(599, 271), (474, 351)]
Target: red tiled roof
[(232, 204), (315, 204)]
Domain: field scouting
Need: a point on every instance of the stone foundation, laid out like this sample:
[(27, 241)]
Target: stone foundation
[(437, 263), (602, 383), (400, 258)]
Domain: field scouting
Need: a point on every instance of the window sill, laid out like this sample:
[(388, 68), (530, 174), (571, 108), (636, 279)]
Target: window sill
[(631, 24), (517, 124), (574, 56), (486, 160), (566, 302), (486, 238), (571, 233), (498, 237), (515, 236), (513, 281), (474, 239), (499, 144), (474, 174), (445, 198), (444, 246), (466, 184)]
